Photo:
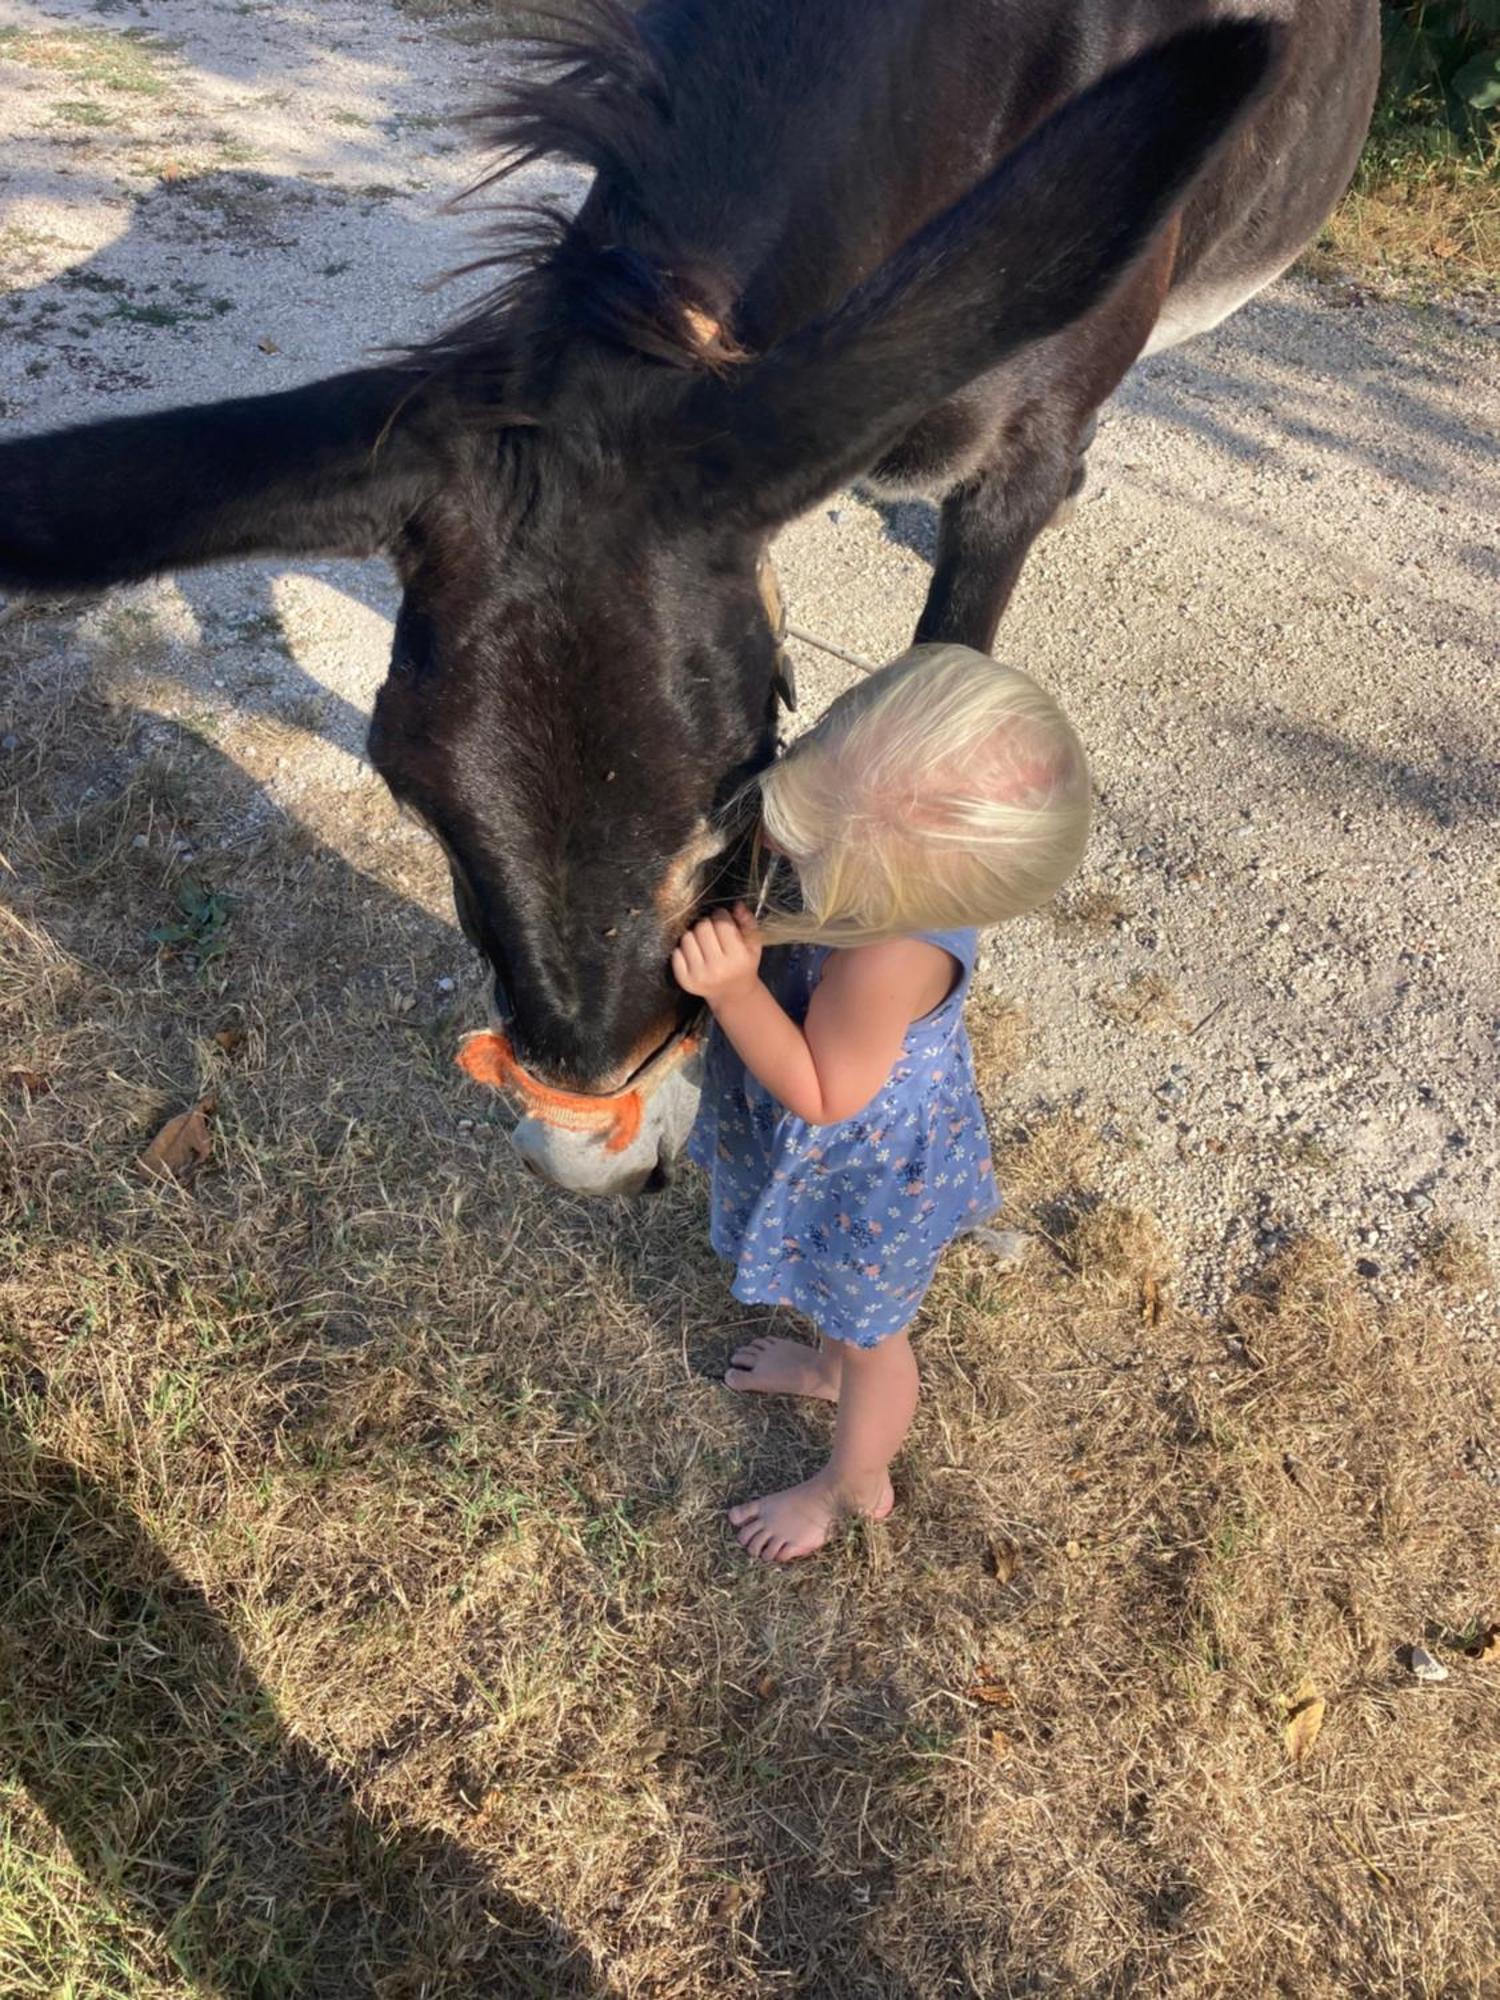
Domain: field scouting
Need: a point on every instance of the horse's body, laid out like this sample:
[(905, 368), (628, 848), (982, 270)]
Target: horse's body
[(917, 240)]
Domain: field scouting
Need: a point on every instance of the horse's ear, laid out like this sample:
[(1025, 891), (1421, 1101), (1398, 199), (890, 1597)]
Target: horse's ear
[(1021, 256), (332, 468)]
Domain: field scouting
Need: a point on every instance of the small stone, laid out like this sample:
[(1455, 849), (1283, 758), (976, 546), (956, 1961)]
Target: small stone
[(445, 985), (10, 741), (1367, 1267), (466, 1124), (1006, 1246), (140, 842), (1424, 1666)]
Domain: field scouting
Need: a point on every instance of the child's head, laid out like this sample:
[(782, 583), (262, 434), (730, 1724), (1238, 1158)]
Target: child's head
[(944, 792)]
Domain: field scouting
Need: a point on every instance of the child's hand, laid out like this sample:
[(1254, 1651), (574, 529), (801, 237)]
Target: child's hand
[(719, 957)]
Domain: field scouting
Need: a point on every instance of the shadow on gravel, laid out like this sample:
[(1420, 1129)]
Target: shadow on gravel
[(1211, 386), (1408, 436), (101, 339), (1454, 785)]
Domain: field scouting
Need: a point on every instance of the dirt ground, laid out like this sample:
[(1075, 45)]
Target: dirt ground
[(368, 1624)]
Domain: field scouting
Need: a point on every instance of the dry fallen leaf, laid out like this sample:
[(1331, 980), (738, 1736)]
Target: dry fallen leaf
[(1486, 1647), (1445, 247), (1000, 1743), (988, 1687), (29, 1080), (1072, 1550), (651, 1750), (765, 1687), (230, 1039), (1005, 1560), (730, 1900), (1152, 1303), (183, 1143), (1304, 1720), (268, 346)]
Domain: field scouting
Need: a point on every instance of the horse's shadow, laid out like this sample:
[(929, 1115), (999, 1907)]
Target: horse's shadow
[(162, 315), (133, 1718)]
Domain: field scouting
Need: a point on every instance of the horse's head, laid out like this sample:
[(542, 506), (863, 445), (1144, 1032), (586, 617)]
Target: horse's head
[(581, 681), (577, 492), (576, 691)]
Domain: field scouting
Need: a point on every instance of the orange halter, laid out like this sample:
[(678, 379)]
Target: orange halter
[(489, 1058)]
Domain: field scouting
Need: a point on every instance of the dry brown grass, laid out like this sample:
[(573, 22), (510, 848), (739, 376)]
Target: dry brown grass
[(369, 1623), (998, 1032), (1095, 908), (1459, 1262), (1440, 222), (1146, 1000)]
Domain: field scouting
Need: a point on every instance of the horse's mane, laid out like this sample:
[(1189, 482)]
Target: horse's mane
[(589, 92)]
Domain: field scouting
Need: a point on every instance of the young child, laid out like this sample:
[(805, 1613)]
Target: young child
[(840, 1123)]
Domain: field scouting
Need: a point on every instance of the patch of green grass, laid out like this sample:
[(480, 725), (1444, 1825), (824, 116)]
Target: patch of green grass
[(84, 111), (186, 304), (84, 279), (355, 118), (129, 60), (199, 931), (262, 630), (1425, 204), (231, 150)]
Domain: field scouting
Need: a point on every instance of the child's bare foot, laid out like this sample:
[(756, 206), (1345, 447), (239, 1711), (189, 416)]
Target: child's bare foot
[(785, 1368), (798, 1521)]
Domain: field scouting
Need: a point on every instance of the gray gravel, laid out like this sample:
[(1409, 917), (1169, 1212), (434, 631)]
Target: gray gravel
[(1276, 988)]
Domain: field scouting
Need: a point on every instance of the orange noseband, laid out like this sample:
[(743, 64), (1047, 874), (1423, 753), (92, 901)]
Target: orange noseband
[(489, 1058)]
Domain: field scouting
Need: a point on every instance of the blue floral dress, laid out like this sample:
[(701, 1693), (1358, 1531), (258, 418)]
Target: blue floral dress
[(846, 1222)]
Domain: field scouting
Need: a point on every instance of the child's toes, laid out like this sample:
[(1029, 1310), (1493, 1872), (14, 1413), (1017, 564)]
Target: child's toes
[(746, 1512)]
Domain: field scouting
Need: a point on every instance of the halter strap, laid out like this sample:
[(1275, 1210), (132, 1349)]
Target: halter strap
[(489, 1058)]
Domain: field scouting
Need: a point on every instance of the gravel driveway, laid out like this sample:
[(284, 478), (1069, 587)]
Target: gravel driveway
[(1275, 992)]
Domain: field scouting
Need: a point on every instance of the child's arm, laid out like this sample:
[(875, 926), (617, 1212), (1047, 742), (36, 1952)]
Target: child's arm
[(856, 1023)]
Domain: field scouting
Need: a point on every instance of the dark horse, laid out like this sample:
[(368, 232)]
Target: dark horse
[(918, 240)]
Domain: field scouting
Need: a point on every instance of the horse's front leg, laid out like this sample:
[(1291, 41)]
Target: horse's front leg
[(989, 524)]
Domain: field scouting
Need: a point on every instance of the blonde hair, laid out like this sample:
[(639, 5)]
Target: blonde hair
[(943, 793)]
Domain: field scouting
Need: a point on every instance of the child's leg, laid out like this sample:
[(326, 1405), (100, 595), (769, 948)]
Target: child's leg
[(877, 1399), (787, 1368)]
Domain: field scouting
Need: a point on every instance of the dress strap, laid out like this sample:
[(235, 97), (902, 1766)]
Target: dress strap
[(962, 945)]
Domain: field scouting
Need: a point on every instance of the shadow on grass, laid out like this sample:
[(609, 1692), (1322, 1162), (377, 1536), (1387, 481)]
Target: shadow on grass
[(138, 1726)]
